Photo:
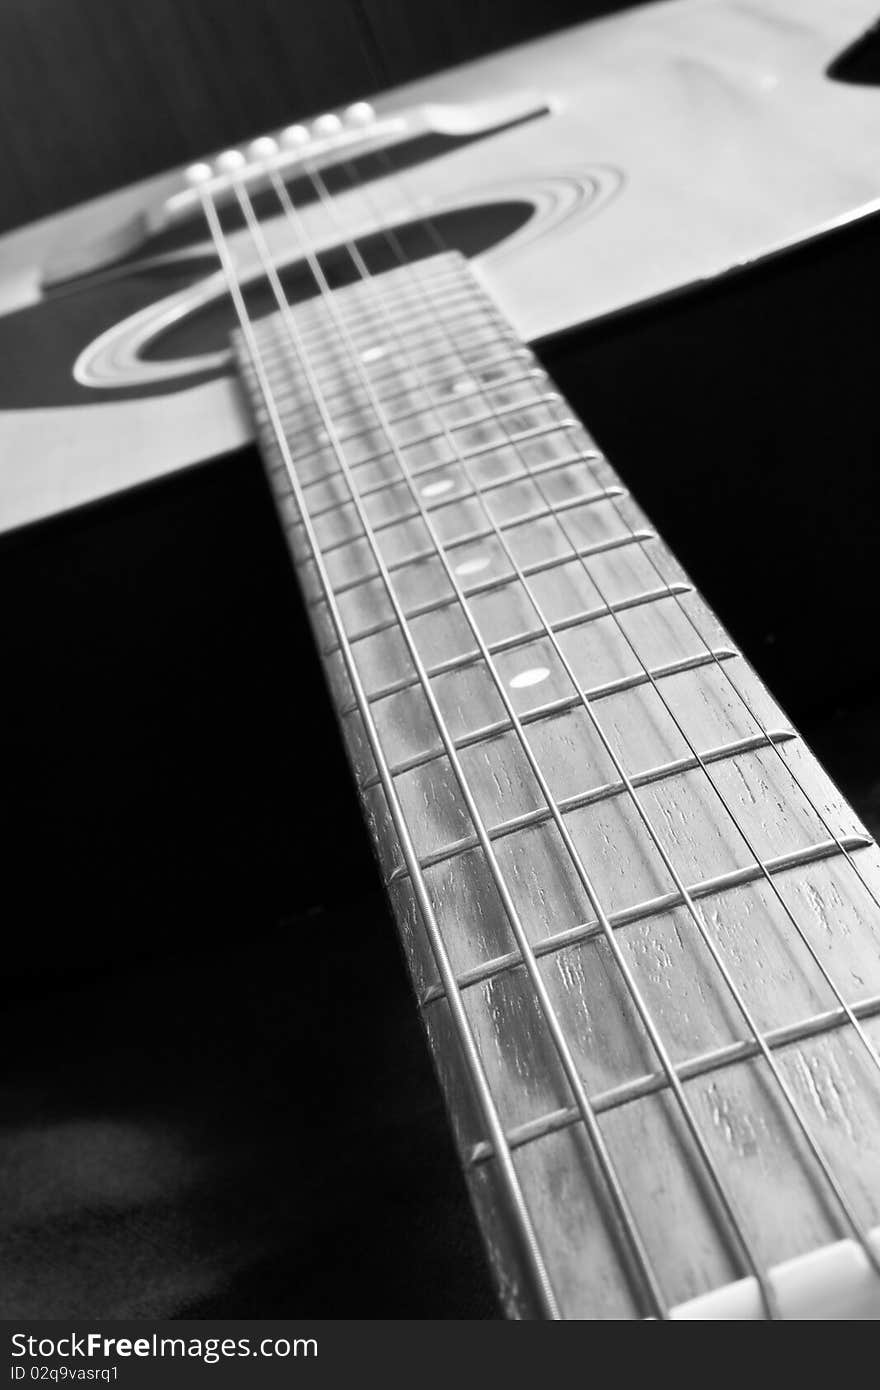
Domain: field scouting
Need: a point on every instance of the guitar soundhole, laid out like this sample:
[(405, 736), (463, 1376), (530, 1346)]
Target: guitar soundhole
[(470, 230)]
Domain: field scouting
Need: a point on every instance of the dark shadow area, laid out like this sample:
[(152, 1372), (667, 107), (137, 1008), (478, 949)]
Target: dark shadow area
[(859, 63), (216, 1098)]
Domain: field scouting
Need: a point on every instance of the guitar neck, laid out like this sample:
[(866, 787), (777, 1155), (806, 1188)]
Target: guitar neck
[(641, 922)]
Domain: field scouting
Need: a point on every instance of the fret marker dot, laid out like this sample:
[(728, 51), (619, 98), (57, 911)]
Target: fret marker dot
[(466, 384), (533, 676), (437, 489), (372, 354), (482, 562)]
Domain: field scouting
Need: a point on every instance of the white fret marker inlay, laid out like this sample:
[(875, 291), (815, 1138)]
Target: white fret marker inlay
[(533, 676), (482, 562), (372, 354), (437, 489)]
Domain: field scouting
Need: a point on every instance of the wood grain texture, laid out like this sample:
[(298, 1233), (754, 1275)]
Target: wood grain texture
[(783, 921)]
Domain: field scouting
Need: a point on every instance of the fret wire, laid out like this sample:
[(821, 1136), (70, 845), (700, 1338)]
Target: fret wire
[(811, 801), (502, 358), (522, 437), (323, 345), (394, 243), (640, 1087), (470, 422), (533, 1257), (632, 1235), (830, 1178), (864, 1039), (533, 374), (489, 418), (735, 1228), (384, 371), (329, 363), (393, 369), (550, 467), (588, 457), (828, 1174), (453, 362), (579, 454), (638, 912), (549, 509), (562, 702), (488, 363), (536, 567), (505, 644), (608, 790)]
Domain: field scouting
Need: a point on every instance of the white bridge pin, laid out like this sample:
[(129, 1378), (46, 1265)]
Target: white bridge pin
[(262, 148), (198, 173), (360, 113), (327, 125), (294, 136), (229, 162)]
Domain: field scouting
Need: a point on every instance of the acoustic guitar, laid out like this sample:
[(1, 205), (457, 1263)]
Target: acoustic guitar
[(641, 922)]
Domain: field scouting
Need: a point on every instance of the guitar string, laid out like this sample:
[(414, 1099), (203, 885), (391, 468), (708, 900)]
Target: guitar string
[(818, 1156), (638, 1254), (588, 457), (530, 1248), (825, 1168), (584, 561), (722, 1198)]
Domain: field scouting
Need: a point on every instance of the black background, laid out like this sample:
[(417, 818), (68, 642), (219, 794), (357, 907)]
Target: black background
[(215, 1097)]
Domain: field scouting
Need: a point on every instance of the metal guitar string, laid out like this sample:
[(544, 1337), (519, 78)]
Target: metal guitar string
[(734, 1225), (843, 1202), (530, 1249), (612, 610), (638, 1255), (588, 458), (440, 549), (830, 1178)]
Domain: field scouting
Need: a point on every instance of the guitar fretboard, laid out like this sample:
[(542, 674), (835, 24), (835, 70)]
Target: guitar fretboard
[(641, 922)]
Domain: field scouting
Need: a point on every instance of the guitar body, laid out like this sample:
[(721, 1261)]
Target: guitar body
[(624, 193), (590, 172)]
